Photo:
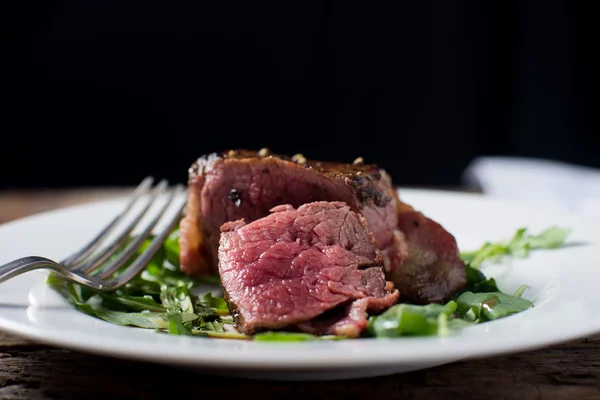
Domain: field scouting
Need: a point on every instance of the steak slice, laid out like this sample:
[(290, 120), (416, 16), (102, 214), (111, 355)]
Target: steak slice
[(295, 264), (419, 255), (245, 184), (427, 267), (349, 320)]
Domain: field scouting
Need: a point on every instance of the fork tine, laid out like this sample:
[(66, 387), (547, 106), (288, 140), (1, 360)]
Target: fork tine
[(99, 281), (140, 263), (93, 244), (95, 261), (135, 244)]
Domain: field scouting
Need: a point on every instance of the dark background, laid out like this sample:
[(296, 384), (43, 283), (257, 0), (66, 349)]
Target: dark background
[(106, 92)]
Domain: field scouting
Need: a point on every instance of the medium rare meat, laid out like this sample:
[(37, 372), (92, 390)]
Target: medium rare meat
[(427, 267), (295, 264), (246, 184), (349, 320), (421, 257)]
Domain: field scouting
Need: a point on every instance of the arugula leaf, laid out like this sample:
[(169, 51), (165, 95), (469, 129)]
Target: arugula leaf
[(161, 298), (210, 301), (176, 326), (214, 326), (482, 307), (520, 290), (158, 298), (148, 320), (171, 248), (455, 324), (159, 258), (441, 320), (489, 251), (73, 293), (519, 246), (139, 286), (167, 275), (478, 283), (176, 299), (122, 302), (413, 320), (142, 320), (551, 238)]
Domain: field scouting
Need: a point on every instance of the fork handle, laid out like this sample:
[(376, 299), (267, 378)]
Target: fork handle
[(26, 264)]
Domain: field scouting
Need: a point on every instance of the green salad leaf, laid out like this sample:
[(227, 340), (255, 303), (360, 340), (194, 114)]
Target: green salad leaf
[(414, 320), (519, 246), (162, 298), (176, 324), (478, 283), (171, 248), (482, 307), (442, 320), (218, 304), (159, 298), (123, 302), (149, 320)]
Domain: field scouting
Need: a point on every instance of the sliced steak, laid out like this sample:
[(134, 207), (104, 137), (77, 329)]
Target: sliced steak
[(245, 184), (421, 257), (429, 268), (349, 320), (295, 264)]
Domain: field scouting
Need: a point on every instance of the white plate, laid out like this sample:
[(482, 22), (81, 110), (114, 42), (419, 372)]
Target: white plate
[(564, 288)]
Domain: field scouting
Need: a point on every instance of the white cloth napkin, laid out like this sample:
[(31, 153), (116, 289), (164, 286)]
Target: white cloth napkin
[(536, 182)]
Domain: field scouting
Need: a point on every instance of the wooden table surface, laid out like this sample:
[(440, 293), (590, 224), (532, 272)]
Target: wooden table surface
[(30, 370)]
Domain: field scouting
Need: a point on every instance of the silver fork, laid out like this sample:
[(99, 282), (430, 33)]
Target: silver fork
[(90, 269)]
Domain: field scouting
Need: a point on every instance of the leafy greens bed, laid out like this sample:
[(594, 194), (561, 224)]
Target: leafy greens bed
[(164, 299)]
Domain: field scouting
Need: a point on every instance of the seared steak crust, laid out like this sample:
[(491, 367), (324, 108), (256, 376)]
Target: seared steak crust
[(245, 184)]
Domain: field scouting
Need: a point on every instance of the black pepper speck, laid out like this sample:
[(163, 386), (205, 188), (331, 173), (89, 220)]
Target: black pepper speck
[(235, 196)]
